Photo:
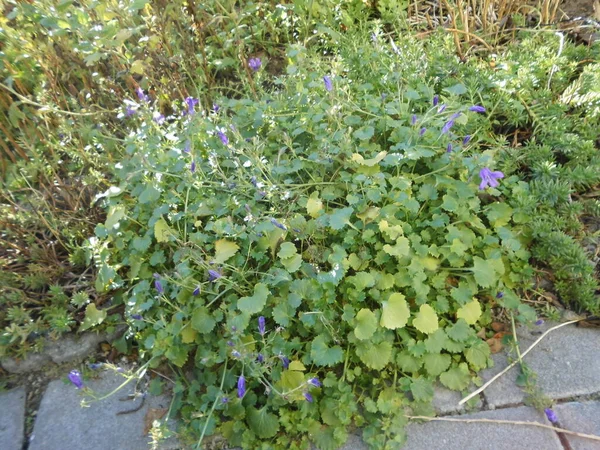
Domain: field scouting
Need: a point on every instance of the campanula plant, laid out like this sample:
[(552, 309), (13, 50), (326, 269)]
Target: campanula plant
[(334, 249)]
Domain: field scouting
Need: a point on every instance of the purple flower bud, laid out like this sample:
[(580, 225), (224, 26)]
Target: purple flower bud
[(278, 225), (253, 181), (225, 400), (447, 126), (441, 109), (254, 64), (158, 117), (551, 415), (157, 284), (137, 316), (261, 325), (236, 354), (241, 386), (223, 137), (187, 147), (466, 139), (193, 166), (284, 361), (436, 100), (328, 83), (262, 193), (455, 116), (230, 343), (449, 148), (422, 131), (196, 291), (216, 107), (477, 108), (500, 295), (539, 322), (314, 382), (130, 110), (260, 358), (413, 119), (191, 102), (95, 366), (308, 397), (140, 93), (213, 275), (75, 378)]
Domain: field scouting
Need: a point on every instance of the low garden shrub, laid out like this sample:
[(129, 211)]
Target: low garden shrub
[(320, 255)]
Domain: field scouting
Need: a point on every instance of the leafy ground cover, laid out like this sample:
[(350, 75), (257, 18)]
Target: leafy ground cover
[(311, 223)]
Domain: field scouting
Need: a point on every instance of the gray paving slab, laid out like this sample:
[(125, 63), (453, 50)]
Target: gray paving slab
[(12, 419), (565, 362), (484, 436), (62, 424), (446, 401), (583, 417)]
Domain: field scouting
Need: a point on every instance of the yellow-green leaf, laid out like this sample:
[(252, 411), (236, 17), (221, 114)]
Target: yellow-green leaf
[(426, 320), (93, 317), (162, 231), (224, 250), (392, 231), (399, 249), (297, 365), (314, 206), (358, 158), (471, 312), (395, 312), (366, 324), (188, 335)]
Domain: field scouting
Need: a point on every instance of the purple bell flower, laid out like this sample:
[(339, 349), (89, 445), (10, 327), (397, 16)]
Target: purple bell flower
[(422, 131), (191, 102), (447, 126), (328, 83), (314, 382), (213, 275), (551, 415), (278, 225), (489, 178), (254, 64), (76, 379), (308, 397), (223, 137), (477, 108), (466, 139), (241, 386), (436, 100), (261, 325)]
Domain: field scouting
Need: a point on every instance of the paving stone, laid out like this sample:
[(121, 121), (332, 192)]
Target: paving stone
[(12, 419), (565, 362), (62, 424), (581, 417), (446, 401), (484, 436)]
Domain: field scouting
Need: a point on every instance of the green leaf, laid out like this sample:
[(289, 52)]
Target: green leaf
[(93, 317), (499, 214), (257, 302), (292, 264), (395, 312), (478, 354), (471, 312), (114, 216), (436, 341), (426, 320), (460, 331), (436, 363), (422, 390), (366, 324), (224, 250), (364, 133), (141, 244), (15, 114), (286, 250), (450, 203), (457, 89), (457, 378), (202, 320), (149, 195), (375, 356), (362, 280), (264, 424), (162, 231), (484, 272), (408, 363), (399, 249), (323, 355), (357, 157), (340, 218)]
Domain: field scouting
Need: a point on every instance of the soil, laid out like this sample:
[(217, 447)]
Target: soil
[(578, 8)]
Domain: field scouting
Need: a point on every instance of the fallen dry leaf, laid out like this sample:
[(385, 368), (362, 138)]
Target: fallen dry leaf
[(152, 415), (495, 345), (498, 326)]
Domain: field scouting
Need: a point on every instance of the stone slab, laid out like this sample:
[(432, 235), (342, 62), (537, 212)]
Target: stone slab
[(484, 436), (62, 423), (582, 417), (446, 401), (12, 419), (565, 362)]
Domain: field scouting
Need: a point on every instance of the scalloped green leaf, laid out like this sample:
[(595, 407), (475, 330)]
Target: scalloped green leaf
[(322, 354), (471, 312), (426, 320), (457, 378), (262, 422), (256, 302), (366, 324), (374, 356), (395, 312)]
